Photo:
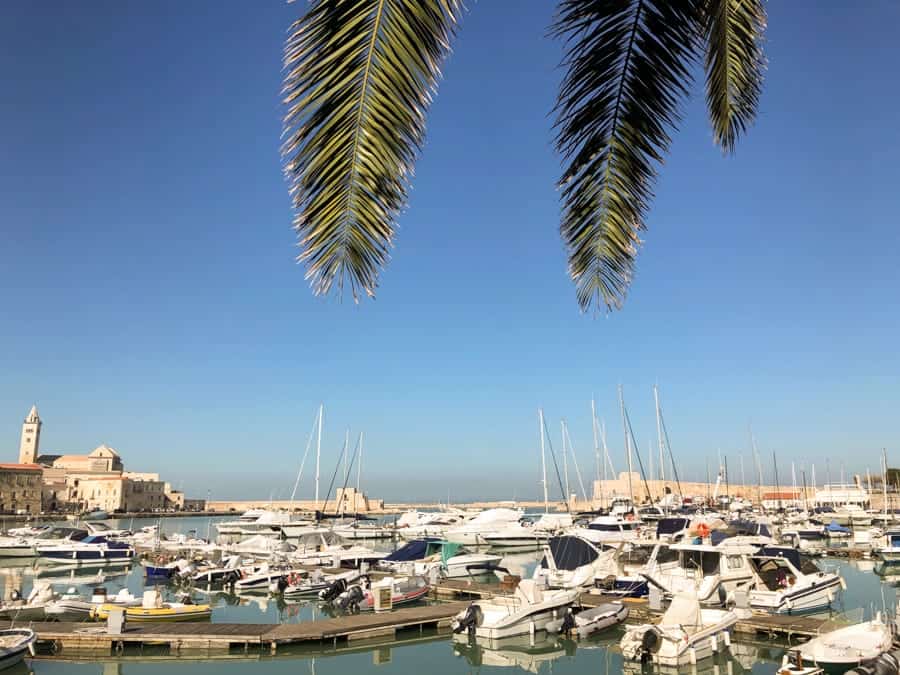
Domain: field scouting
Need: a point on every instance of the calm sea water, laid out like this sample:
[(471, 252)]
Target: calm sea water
[(439, 654)]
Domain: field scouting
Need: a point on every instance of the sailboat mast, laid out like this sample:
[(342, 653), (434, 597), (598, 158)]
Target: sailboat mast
[(659, 437), (627, 446), (884, 498), (319, 450), (596, 448), (544, 463), (359, 466), (562, 425)]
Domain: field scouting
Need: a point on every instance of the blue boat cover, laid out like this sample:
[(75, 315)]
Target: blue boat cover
[(414, 550), (833, 526)]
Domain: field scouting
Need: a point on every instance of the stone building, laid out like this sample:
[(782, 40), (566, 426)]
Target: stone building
[(20, 488), (97, 480)]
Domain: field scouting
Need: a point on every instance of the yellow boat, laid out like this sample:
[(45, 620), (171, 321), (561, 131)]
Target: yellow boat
[(168, 611), (154, 609)]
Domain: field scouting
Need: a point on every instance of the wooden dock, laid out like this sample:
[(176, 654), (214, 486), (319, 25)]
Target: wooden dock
[(177, 638)]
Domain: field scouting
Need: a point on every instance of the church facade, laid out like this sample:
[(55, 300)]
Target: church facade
[(95, 481)]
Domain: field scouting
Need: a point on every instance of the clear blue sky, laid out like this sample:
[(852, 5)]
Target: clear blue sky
[(149, 297)]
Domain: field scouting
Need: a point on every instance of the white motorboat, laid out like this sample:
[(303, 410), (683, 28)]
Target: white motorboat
[(472, 533), (16, 547), (852, 515), (889, 552), (312, 584), (610, 530), (634, 563), (525, 534), (589, 621), (788, 584), (236, 526), (849, 646), (528, 610), (363, 529), (419, 525), (75, 607), (324, 548), (711, 572), (686, 634), (13, 645), (420, 556), (571, 561), (31, 608), (262, 578), (261, 546)]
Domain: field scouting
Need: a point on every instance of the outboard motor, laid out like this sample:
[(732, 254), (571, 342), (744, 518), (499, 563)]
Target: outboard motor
[(886, 664), (337, 587), (649, 644), (568, 622), (351, 599), (470, 620), (281, 584)]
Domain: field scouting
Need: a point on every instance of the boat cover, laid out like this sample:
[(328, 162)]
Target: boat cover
[(791, 554), (570, 553), (684, 612), (671, 525), (834, 526), (414, 550)]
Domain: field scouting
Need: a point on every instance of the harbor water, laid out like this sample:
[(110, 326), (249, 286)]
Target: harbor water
[(413, 651)]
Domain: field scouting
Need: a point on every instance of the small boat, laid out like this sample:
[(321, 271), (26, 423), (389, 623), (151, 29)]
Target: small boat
[(590, 620), (889, 554), (16, 547), (789, 584), (153, 609), (528, 610), (73, 606), (420, 556), (262, 578), (525, 534), (849, 646), (32, 608), (834, 530), (686, 634), (313, 584), (381, 595), (228, 572), (13, 645), (472, 533)]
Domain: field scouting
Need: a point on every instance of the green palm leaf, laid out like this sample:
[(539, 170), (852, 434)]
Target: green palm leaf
[(626, 70), (359, 78), (734, 65)]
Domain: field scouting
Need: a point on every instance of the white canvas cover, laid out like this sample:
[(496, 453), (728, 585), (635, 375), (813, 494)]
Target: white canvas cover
[(528, 591), (684, 611)]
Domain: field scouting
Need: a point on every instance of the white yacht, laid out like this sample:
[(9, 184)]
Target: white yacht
[(525, 534), (571, 561), (610, 530), (889, 552), (788, 584), (235, 526), (849, 646), (525, 612), (487, 522), (418, 525), (710, 572), (419, 556)]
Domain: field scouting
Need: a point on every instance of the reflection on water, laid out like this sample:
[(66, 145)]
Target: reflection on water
[(413, 652)]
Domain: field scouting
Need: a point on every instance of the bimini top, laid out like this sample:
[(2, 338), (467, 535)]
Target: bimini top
[(671, 525)]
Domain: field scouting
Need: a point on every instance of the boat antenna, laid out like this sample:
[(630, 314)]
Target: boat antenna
[(319, 449), (543, 462)]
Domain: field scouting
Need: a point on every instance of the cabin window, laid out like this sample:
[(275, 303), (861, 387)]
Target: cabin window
[(734, 562), (666, 555)]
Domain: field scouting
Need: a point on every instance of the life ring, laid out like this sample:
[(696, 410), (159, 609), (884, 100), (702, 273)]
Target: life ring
[(703, 530)]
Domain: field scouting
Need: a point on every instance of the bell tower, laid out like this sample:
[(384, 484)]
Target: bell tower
[(31, 437)]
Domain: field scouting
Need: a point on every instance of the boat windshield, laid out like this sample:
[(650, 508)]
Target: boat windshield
[(570, 553), (774, 573), (705, 561), (606, 527)]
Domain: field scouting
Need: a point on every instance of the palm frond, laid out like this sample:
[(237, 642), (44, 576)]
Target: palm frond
[(359, 77), (626, 70), (734, 65)]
